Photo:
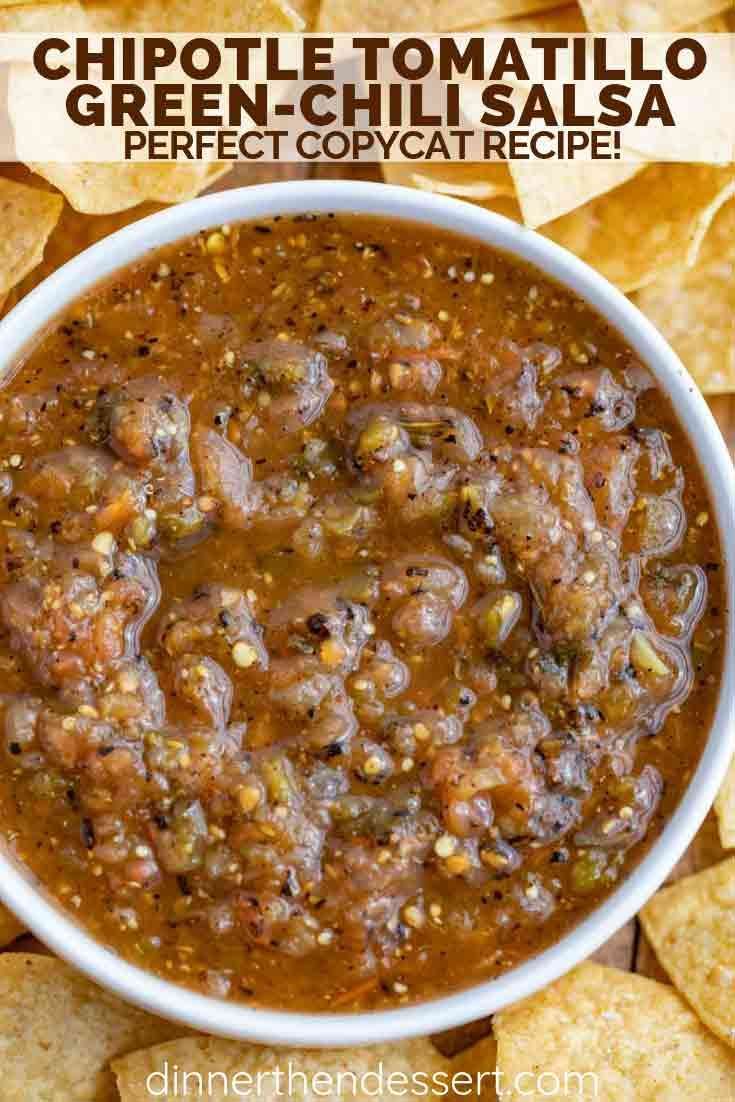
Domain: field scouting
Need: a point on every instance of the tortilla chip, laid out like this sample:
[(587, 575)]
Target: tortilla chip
[(651, 225), (106, 188), (42, 18), (654, 223), (691, 925), (100, 187), (725, 808), (466, 181), (187, 181), (74, 233), (28, 216), (395, 16), (716, 24), (10, 928), (694, 308), (58, 1032), (566, 20), (621, 1038), (480, 1061), (648, 15), (222, 16), (206, 1056), (546, 191), (307, 10)]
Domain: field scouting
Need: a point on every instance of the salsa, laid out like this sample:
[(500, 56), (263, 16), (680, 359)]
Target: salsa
[(361, 611)]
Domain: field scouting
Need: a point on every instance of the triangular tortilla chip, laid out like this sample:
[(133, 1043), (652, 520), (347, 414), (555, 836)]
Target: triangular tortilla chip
[(691, 925), (613, 1037), (28, 216), (308, 10), (42, 18), (395, 16), (725, 808), (58, 1032), (465, 181), (694, 308), (184, 16), (566, 20), (547, 190), (105, 188), (75, 232), (648, 15), (655, 222)]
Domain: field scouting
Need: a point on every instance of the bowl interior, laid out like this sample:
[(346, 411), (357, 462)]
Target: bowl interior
[(19, 890)]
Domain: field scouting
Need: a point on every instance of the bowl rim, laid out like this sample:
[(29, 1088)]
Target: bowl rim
[(30, 902)]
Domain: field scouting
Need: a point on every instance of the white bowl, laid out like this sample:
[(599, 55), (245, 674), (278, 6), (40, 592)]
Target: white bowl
[(60, 932)]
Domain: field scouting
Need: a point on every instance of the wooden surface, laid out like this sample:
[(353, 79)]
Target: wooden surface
[(628, 949)]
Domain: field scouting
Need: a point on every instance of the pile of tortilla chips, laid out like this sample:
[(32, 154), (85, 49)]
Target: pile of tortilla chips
[(664, 234), (599, 1032), (31, 211)]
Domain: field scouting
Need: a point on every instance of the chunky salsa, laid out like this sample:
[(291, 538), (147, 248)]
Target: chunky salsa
[(361, 611)]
